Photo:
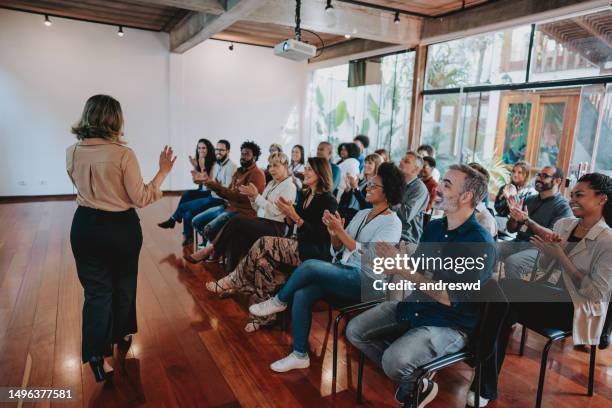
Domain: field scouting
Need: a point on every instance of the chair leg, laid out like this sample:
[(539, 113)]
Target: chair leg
[(360, 377), (478, 379), (523, 339), (335, 346), (195, 240), (592, 371), (329, 313), (543, 373)]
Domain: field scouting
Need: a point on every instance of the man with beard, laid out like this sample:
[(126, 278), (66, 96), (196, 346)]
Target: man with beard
[(428, 324), (210, 222), (534, 215)]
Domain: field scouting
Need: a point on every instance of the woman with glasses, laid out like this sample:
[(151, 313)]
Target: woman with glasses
[(353, 198), (342, 278), (259, 272)]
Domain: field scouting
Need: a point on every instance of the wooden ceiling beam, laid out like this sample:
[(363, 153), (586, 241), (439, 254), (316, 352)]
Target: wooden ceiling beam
[(358, 21), (205, 6), (201, 26), (500, 15), (350, 47)]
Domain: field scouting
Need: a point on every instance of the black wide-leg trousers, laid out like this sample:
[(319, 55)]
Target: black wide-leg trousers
[(106, 246)]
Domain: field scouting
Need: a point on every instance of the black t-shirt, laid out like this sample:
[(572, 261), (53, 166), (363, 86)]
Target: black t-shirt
[(545, 212)]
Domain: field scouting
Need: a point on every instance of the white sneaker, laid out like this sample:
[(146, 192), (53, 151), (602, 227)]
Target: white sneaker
[(471, 400), (291, 362), (267, 308)]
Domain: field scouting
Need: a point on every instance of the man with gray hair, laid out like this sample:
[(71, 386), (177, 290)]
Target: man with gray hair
[(416, 198), (428, 324)]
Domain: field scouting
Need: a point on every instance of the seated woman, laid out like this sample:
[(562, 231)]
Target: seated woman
[(353, 197), (580, 249), (259, 272), (270, 220), (518, 189), (342, 278), (296, 167), (195, 200)]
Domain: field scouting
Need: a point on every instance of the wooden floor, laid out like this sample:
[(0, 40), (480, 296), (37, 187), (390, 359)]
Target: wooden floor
[(191, 349)]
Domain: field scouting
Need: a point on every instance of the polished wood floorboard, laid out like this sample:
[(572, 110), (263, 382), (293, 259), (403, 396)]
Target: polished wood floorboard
[(191, 349)]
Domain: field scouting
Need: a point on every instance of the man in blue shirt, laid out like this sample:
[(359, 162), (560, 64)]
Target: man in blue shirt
[(428, 324), (324, 150)]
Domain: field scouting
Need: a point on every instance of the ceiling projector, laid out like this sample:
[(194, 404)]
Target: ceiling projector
[(295, 50)]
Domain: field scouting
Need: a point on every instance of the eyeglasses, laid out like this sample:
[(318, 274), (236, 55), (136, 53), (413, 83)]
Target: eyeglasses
[(544, 175), (371, 184)]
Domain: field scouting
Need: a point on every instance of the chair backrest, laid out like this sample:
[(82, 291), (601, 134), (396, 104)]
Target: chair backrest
[(494, 307)]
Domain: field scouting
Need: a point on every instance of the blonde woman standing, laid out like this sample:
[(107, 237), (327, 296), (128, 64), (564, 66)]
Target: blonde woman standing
[(106, 236)]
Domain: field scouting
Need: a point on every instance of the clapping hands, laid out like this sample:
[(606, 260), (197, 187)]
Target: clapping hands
[(249, 190), (333, 221), (286, 207)]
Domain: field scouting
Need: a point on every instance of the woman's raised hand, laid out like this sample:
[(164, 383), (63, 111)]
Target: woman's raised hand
[(166, 160)]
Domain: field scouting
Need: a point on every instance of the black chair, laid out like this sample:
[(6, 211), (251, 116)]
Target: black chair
[(493, 309), (553, 334), (344, 309)]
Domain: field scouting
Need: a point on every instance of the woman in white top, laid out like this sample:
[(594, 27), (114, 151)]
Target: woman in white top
[(349, 165), (296, 167), (574, 293), (341, 278), (240, 232)]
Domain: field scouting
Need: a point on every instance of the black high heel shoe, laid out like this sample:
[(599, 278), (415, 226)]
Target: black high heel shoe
[(97, 366), (124, 345)]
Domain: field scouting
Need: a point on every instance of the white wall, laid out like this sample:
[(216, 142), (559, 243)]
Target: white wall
[(244, 94), (47, 73)]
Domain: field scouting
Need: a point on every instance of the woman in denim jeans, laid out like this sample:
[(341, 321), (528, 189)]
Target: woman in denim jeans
[(315, 279)]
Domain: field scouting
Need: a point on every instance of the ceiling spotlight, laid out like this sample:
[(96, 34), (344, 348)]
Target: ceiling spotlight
[(231, 47), (120, 32), (347, 36), (396, 20), (47, 21), (329, 8)]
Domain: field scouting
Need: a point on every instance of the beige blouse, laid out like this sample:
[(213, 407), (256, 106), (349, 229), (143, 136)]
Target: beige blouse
[(107, 176)]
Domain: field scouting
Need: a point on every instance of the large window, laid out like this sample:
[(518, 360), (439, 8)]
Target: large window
[(492, 58), (573, 48), (477, 104), (337, 113)]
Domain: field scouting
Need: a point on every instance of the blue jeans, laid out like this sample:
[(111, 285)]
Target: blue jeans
[(311, 281), (211, 230), (187, 196), (399, 348), (202, 219), (191, 209)]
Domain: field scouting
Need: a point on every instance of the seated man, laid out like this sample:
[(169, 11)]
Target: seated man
[(401, 336), (529, 217), (429, 165), (414, 202), (210, 222)]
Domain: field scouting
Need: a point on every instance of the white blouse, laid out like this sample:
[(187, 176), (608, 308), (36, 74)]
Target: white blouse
[(265, 203)]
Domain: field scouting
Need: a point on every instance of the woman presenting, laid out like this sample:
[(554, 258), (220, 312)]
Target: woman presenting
[(106, 236)]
